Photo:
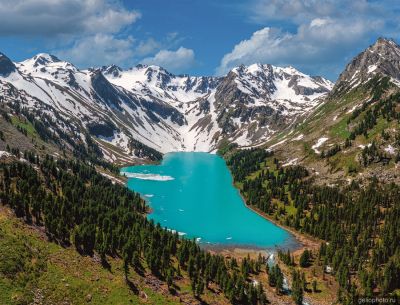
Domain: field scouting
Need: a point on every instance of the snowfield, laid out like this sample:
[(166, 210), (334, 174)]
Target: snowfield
[(318, 144)]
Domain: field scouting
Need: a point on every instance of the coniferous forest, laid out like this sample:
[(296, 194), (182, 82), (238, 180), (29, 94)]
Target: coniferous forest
[(79, 207), (359, 225)]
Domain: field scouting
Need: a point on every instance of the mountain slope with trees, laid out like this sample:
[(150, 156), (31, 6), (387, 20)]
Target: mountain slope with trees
[(75, 206), (335, 177), (358, 224), (330, 171)]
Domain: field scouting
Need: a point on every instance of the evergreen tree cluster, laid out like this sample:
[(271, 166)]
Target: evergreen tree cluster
[(247, 161), (269, 185), (383, 108), (286, 258), (305, 258), (331, 152), (22, 130), (361, 224), (298, 283), (275, 277), (78, 206), (371, 154)]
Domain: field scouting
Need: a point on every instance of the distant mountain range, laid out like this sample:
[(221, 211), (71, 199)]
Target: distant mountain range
[(163, 111), (148, 107)]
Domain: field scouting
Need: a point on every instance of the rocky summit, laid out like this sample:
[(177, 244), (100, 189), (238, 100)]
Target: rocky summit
[(383, 57)]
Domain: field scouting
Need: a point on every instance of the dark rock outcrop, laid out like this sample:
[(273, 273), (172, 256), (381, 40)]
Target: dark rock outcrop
[(6, 66)]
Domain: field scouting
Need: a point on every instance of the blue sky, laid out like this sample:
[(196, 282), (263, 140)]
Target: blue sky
[(199, 37)]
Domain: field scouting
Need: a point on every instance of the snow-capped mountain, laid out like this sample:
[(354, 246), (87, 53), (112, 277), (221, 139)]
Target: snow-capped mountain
[(163, 111), (238, 106), (383, 57), (255, 102), (156, 82)]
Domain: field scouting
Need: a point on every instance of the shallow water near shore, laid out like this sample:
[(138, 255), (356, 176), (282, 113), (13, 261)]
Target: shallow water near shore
[(193, 194)]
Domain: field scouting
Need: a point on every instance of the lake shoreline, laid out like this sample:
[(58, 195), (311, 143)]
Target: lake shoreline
[(304, 241), (238, 251)]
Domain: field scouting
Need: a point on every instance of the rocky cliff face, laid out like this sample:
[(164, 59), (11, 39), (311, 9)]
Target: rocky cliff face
[(6, 65), (381, 58)]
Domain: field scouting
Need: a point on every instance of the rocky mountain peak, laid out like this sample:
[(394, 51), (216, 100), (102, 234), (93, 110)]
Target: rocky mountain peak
[(6, 65), (46, 65), (44, 59), (382, 41), (113, 70), (158, 73), (383, 57), (141, 66), (268, 82), (254, 70)]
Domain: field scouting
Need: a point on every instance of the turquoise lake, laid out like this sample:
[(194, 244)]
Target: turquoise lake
[(193, 194)]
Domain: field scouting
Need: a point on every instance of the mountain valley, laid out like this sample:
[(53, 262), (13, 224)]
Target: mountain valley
[(317, 158)]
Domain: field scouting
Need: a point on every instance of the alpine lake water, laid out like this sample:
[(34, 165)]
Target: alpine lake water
[(192, 193)]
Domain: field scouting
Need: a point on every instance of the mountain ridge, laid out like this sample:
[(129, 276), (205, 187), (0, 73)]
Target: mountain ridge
[(166, 112), (249, 106), (382, 57)]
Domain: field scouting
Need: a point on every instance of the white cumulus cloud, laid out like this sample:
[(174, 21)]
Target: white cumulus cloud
[(315, 36), (174, 61), (318, 44), (63, 17), (147, 46), (100, 49)]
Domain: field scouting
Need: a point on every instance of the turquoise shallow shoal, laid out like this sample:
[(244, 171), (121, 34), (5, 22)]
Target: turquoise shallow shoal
[(192, 193)]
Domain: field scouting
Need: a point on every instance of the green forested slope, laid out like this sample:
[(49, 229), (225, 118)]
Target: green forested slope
[(78, 208), (358, 222)]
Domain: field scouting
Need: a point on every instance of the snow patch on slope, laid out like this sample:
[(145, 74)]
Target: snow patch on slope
[(318, 144)]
